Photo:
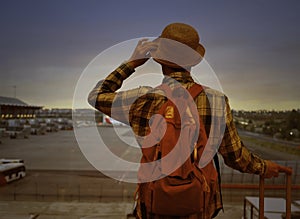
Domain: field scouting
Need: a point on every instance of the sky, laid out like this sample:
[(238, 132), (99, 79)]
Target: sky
[(252, 46)]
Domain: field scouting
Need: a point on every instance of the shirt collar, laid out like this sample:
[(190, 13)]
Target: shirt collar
[(181, 77)]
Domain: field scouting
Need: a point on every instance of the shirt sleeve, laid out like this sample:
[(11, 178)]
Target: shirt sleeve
[(114, 104), (235, 154)]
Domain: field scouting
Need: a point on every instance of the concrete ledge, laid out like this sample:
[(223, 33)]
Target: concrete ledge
[(63, 210)]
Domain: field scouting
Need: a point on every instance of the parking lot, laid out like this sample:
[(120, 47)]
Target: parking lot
[(62, 182)]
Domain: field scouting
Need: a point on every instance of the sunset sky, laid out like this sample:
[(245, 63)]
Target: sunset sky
[(253, 46)]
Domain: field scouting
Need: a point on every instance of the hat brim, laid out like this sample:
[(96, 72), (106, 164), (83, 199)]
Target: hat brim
[(175, 54)]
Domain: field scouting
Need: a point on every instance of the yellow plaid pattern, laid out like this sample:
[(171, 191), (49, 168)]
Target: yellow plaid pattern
[(135, 107)]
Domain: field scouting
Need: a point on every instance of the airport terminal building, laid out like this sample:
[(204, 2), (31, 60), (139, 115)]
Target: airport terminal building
[(13, 108)]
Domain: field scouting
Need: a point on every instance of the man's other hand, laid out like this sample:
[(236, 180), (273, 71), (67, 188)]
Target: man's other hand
[(141, 53), (273, 169)]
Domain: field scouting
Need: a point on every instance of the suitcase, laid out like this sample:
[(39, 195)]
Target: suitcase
[(288, 202)]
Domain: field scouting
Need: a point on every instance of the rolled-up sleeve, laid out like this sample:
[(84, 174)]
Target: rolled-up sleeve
[(104, 94), (105, 98)]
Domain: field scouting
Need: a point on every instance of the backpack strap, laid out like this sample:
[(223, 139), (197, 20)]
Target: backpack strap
[(195, 90), (217, 164)]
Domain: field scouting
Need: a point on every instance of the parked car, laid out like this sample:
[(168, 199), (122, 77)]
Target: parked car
[(15, 129), (37, 128), (65, 124), (51, 125), (3, 127)]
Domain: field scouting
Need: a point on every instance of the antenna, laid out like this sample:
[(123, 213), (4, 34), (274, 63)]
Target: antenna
[(15, 91)]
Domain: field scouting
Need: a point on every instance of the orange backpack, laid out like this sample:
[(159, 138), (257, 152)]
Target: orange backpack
[(171, 181)]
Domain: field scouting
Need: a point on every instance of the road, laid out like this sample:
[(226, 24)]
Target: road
[(251, 142)]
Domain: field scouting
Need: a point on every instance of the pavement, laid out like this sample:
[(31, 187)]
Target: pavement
[(63, 210), (85, 210), (80, 195)]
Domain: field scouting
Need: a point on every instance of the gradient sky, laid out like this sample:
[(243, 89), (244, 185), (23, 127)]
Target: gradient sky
[(253, 46)]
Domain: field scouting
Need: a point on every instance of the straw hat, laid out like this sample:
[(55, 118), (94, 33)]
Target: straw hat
[(178, 46)]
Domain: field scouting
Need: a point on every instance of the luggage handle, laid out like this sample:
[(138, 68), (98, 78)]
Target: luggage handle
[(288, 201)]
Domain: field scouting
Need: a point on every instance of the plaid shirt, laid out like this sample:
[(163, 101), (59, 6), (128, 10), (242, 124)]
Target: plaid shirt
[(135, 107)]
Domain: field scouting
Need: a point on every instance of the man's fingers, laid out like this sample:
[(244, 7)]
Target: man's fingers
[(273, 169), (146, 48), (142, 52), (149, 45)]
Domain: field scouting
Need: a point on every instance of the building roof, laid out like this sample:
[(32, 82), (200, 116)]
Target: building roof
[(15, 102), (11, 101)]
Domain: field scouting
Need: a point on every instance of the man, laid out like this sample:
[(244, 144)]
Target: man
[(177, 50)]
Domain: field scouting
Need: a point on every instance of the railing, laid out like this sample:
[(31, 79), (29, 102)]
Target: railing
[(54, 185)]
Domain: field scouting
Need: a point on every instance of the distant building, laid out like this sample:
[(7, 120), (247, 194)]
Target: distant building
[(55, 113), (13, 108)]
